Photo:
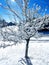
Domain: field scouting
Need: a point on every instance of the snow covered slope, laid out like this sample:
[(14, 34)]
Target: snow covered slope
[(11, 54), (38, 53)]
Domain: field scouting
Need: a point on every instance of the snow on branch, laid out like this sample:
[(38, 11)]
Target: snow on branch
[(30, 22), (23, 31)]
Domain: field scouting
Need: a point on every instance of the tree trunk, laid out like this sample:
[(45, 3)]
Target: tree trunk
[(26, 52)]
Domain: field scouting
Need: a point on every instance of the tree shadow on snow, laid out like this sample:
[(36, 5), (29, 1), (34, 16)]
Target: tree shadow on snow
[(25, 61)]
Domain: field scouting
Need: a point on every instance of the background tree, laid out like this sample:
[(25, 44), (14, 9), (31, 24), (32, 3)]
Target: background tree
[(30, 21)]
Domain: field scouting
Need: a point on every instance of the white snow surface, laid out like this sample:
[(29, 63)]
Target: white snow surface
[(38, 53), (13, 54)]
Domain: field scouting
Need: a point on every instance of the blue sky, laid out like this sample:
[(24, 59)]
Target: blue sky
[(43, 3)]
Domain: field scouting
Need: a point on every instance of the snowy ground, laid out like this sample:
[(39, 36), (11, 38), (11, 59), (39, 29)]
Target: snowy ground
[(38, 53), (14, 54)]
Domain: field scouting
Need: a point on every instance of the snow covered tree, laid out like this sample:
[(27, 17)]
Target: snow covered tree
[(30, 21)]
